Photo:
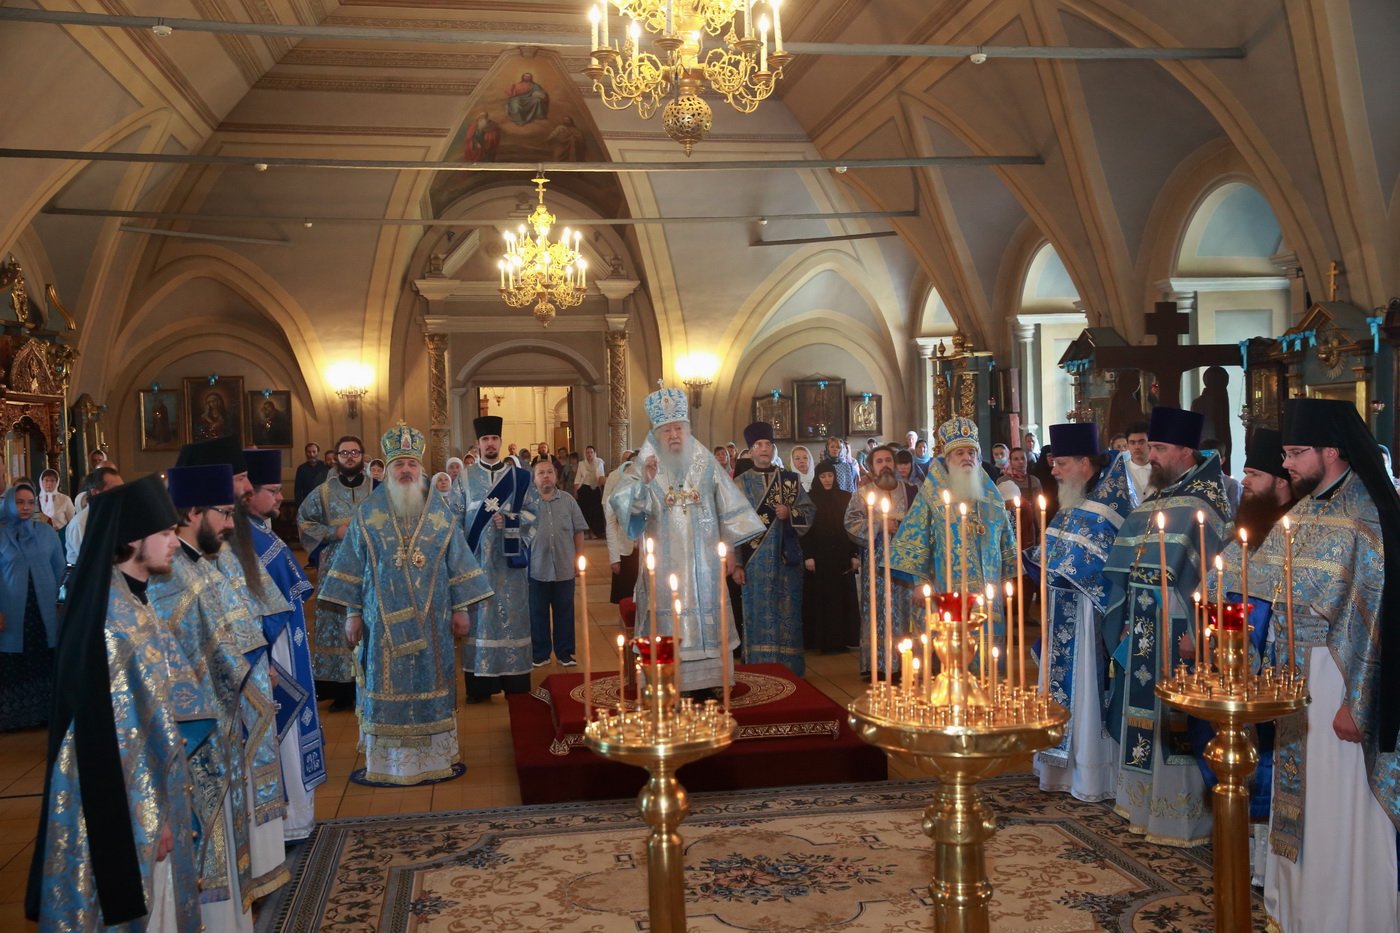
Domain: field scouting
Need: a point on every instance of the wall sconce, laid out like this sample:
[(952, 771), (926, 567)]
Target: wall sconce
[(351, 382), (697, 372)]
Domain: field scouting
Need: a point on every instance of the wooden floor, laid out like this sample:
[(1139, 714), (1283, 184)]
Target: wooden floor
[(483, 731)]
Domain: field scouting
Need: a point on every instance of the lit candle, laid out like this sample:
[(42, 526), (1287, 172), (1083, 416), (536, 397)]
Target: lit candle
[(668, 17), (621, 675), (587, 652), (1288, 587), (501, 267), (914, 679), (962, 556), (928, 632), (676, 626), (1196, 621), (996, 653), (947, 541), (1044, 606), (1009, 655), (952, 674), (1018, 657), (906, 666), (1244, 572), (1219, 606), (651, 586), (763, 43), (982, 644), (777, 25), (1166, 646), (889, 594), (634, 32), (928, 671), (604, 23), (870, 578), (989, 600), (726, 656), (593, 17)]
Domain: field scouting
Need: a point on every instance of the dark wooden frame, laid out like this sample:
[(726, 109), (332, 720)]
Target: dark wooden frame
[(808, 394), (177, 418), (776, 409), (283, 399), (231, 388)]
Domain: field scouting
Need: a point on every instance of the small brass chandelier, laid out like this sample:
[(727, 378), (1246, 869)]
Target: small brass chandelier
[(534, 270), (741, 70)]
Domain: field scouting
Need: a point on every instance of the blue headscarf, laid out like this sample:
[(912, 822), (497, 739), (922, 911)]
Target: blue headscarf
[(29, 550), (16, 535)]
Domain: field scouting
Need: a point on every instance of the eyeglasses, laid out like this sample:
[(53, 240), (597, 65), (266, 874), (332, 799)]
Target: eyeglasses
[(226, 513), (349, 453)]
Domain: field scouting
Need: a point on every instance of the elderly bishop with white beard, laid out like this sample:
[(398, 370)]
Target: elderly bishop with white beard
[(919, 552), (406, 578), (682, 499)]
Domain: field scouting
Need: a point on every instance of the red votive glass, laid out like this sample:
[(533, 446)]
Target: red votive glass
[(950, 603), (665, 649), (1233, 620)]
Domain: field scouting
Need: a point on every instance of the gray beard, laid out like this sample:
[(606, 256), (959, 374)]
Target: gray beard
[(964, 483), (1072, 493), (407, 500), (675, 465), (886, 480)]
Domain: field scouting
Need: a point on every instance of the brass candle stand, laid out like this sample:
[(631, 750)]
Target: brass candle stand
[(960, 729), (1232, 698), (664, 733)]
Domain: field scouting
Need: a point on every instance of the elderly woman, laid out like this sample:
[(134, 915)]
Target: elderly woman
[(31, 567), (442, 483), (376, 471), (803, 466)]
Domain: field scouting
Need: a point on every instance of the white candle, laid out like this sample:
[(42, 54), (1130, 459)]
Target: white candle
[(593, 17), (677, 646), (726, 656), (1044, 606), (604, 10), (621, 675), (870, 578), (777, 25), (763, 43), (1018, 657), (587, 651), (947, 541), (889, 614)]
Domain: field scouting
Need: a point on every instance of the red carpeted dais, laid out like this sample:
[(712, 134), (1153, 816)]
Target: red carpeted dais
[(789, 733)]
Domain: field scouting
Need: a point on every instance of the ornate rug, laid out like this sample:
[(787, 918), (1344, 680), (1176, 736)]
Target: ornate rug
[(839, 857)]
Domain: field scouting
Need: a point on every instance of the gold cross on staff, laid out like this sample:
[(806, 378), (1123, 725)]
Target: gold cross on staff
[(1332, 272)]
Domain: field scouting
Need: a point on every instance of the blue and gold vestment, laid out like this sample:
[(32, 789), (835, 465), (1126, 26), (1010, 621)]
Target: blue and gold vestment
[(773, 570)]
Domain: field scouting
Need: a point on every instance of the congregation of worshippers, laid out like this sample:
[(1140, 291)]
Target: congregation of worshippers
[(167, 643)]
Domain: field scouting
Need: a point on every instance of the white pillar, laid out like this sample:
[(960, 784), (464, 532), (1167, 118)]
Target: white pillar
[(1030, 379)]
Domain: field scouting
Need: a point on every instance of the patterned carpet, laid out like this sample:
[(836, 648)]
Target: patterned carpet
[(841, 857)]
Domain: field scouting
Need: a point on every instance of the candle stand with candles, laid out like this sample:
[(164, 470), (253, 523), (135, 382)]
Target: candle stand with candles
[(1227, 693), (960, 728), (663, 733)]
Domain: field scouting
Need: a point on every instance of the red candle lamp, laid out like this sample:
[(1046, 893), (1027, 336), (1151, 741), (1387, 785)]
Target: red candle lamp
[(665, 649), (951, 604)]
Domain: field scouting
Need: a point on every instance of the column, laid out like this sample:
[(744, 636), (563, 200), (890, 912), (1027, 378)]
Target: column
[(924, 418), (542, 416), (439, 430), (1030, 374), (619, 426)]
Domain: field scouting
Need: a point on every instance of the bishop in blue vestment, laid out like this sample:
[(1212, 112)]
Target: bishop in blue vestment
[(772, 564), (406, 579)]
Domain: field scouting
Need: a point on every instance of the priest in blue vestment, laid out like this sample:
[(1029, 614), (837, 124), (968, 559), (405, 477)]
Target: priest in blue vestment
[(212, 627), (1331, 862), (771, 566), (117, 842), (983, 544), (684, 502), (497, 654), (1095, 499), (406, 579), (298, 723), (1160, 790)]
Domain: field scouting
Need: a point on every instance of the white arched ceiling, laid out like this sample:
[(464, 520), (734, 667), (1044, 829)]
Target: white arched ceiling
[(1234, 231), (1047, 281), (935, 320)]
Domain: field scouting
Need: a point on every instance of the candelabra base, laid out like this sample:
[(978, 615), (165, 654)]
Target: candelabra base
[(958, 821), (1233, 757)]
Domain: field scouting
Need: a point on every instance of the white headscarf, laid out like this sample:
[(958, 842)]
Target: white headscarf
[(811, 473)]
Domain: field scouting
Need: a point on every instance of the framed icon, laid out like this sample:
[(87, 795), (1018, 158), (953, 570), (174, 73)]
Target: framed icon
[(160, 413), (214, 407), (821, 408), (776, 409), (865, 415), (270, 418)]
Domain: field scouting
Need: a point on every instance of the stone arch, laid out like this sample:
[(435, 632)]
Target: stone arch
[(531, 344)]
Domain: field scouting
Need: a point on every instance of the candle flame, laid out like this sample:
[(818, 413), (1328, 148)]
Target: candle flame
[(1041, 502), (677, 607), (674, 581), (962, 510), (947, 497), (915, 665), (1219, 562), (1286, 523), (1201, 516), (981, 601), (928, 591), (870, 499), (906, 645), (1017, 502), (947, 616), (885, 505), (1008, 589), (923, 639), (996, 653), (1196, 596), (722, 550), (621, 640), (1161, 521), (651, 545), (651, 563), (582, 564), (991, 592), (1244, 536)]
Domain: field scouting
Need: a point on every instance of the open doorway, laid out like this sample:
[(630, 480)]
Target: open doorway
[(531, 414)]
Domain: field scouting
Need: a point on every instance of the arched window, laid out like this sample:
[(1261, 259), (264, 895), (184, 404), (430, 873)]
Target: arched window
[(1048, 319)]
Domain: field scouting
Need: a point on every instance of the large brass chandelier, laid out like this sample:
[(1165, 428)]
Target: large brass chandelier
[(741, 69), (534, 270)]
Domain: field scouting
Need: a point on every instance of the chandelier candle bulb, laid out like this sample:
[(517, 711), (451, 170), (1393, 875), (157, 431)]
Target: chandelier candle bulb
[(1044, 607), (593, 18), (889, 614), (777, 25), (668, 17), (870, 579), (947, 541), (1165, 646), (726, 656), (587, 651), (748, 19), (1288, 590), (634, 32), (763, 44), (1012, 657), (603, 8)]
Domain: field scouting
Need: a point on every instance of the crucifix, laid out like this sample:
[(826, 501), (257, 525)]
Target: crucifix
[(1168, 359), (1332, 272)]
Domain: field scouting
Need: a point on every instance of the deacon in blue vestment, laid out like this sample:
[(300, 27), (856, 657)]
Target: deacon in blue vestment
[(217, 636), (117, 843), (406, 579), (497, 653), (253, 590), (883, 483), (1160, 791), (919, 551), (298, 724), (1331, 863), (771, 566), (322, 520), (1095, 500), (685, 503)]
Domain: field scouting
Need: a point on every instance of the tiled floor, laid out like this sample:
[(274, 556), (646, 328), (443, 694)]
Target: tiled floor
[(483, 730)]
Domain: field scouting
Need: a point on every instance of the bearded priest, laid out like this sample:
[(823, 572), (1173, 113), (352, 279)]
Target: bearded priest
[(681, 499), (406, 579), (983, 544)]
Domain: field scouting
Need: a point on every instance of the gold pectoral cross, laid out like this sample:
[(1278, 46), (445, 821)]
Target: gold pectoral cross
[(413, 555)]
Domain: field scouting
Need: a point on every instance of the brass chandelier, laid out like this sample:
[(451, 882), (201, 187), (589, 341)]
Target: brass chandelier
[(741, 70), (534, 270)]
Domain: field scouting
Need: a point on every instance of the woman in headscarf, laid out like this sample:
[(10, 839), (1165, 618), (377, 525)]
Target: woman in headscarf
[(456, 493), (802, 466), (31, 566), (830, 611)]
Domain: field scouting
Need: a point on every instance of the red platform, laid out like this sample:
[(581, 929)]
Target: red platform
[(789, 733)]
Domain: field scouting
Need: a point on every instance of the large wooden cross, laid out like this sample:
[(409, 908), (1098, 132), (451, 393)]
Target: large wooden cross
[(1168, 359)]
